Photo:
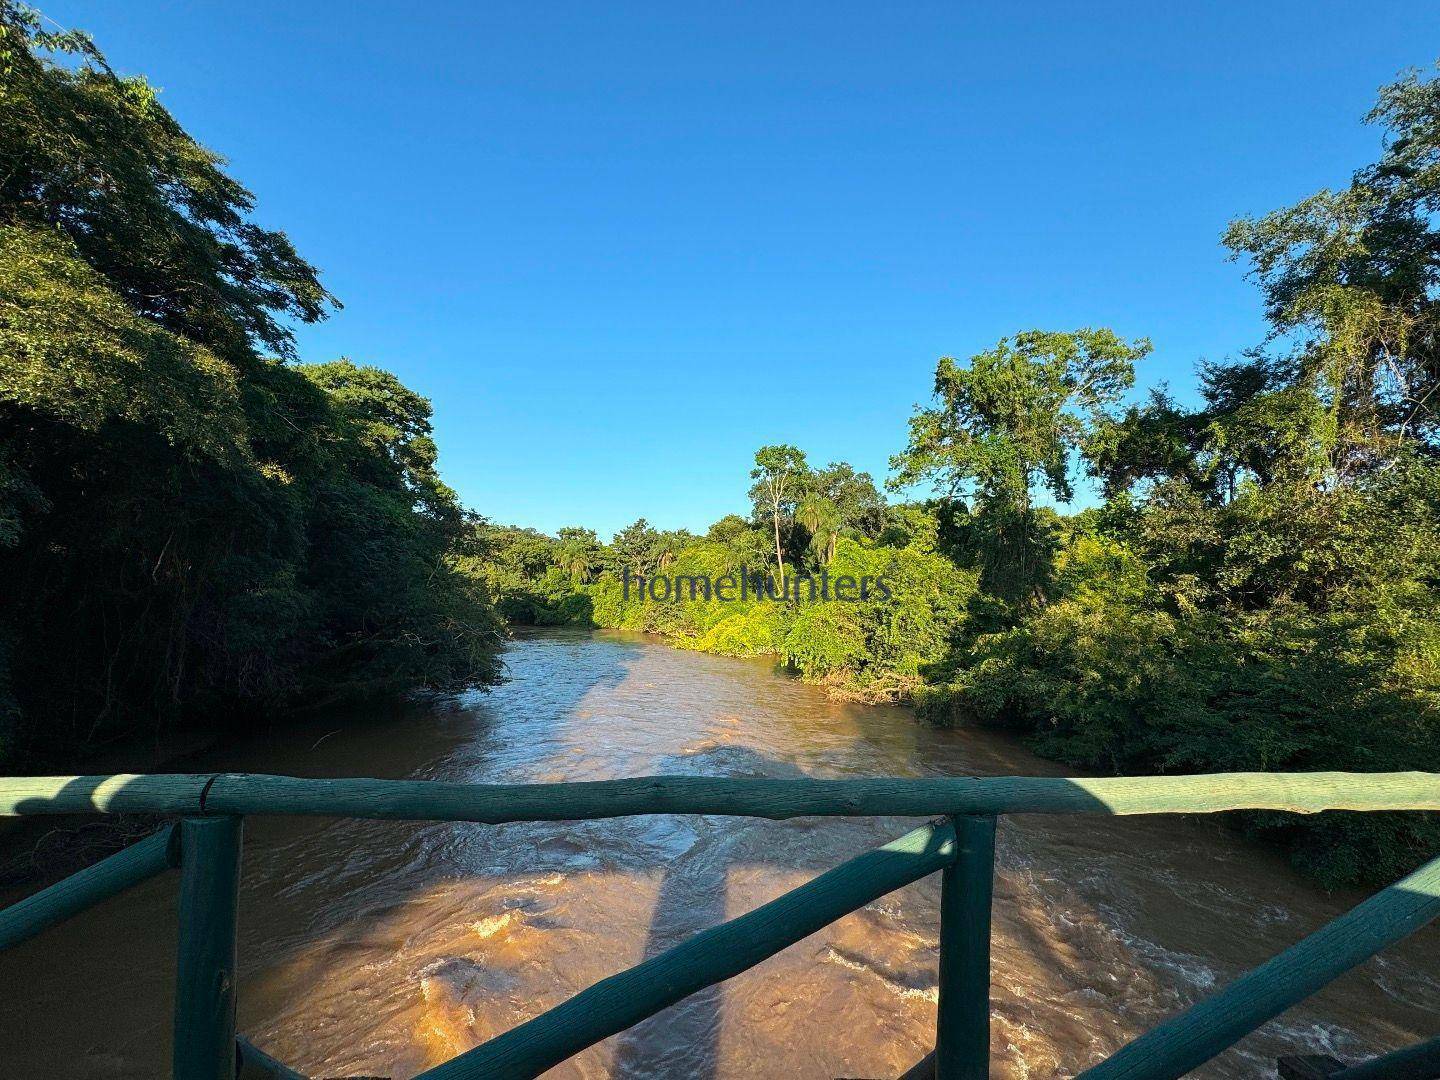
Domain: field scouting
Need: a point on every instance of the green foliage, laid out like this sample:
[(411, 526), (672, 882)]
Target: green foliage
[(873, 648), (1288, 648), (1012, 416), (1349, 279), (780, 475), (1009, 420), (536, 580), (76, 353), (191, 532), (99, 159), (1261, 589), (756, 632)]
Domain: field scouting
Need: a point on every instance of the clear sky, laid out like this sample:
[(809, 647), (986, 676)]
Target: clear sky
[(621, 246)]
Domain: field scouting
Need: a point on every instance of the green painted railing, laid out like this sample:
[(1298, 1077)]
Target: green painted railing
[(960, 844)]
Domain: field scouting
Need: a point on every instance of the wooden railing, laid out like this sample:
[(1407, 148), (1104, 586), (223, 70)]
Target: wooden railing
[(205, 845)]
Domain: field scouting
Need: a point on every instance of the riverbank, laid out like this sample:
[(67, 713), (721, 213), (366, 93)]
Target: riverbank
[(1105, 706), (381, 947)]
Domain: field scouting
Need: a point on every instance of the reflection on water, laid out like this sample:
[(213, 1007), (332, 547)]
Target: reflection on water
[(383, 948)]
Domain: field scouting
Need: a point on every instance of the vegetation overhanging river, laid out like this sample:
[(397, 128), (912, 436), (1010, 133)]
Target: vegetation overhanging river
[(380, 948)]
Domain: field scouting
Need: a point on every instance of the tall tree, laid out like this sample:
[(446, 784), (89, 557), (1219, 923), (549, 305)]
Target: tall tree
[(823, 519), (578, 552), (858, 502), (632, 547), (1010, 420), (97, 158), (779, 475), (1350, 280), (189, 528)]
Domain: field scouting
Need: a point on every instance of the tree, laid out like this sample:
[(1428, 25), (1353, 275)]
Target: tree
[(859, 504), (97, 157), (823, 520), (191, 529), (1011, 418), (729, 529), (1350, 283), (1008, 421), (743, 543), (1153, 441), (578, 552), (632, 546), (779, 473)]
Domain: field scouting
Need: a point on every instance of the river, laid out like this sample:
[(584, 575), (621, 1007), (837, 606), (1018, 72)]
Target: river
[(381, 948)]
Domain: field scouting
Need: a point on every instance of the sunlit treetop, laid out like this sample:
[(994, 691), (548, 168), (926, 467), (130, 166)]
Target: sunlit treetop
[(96, 156)]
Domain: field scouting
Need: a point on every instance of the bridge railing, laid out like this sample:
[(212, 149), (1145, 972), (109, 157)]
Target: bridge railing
[(204, 844)]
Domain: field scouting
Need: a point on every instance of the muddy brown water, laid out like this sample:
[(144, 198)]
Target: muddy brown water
[(382, 948)]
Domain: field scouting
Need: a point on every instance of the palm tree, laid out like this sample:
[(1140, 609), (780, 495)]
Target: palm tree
[(575, 551), (823, 520)]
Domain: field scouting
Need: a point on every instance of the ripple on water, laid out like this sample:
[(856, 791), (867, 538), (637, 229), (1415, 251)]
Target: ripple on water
[(382, 948)]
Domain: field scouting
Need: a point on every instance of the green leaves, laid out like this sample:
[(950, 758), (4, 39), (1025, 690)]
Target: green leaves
[(189, 531), (1349, 279), (1010, 418), (98, 158), (75, 353)]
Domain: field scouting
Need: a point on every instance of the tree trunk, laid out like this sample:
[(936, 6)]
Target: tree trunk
[(779, 559)]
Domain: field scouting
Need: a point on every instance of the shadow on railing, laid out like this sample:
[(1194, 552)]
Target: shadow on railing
[(960, 844)]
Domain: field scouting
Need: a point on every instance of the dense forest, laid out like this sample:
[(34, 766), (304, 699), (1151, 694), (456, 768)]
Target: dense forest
[(196, 528), (193, 526), (1256, 588)]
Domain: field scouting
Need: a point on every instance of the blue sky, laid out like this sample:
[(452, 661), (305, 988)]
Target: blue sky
[(621, 246)]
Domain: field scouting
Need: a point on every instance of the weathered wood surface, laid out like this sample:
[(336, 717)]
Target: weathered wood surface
[(236, 793), (252, 1063), (85, 888), (1195, 1036), (616, 1003), (1418, 1062), (205, 1047), (159, 793), (962, 1026)]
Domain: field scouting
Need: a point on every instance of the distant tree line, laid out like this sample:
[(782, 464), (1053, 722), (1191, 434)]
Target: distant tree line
[(193, 527), (196, 528), (1258, 588)]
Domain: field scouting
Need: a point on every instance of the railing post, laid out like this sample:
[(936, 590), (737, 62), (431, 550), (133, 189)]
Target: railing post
[(962, 1033), (205, 979)]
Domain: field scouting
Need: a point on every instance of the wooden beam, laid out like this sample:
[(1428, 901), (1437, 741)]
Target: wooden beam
[(429, 800), (252, 1063), (962, 1029), (1186, 1041), (616, 1003), (204, 1045), (85, 888), (161, 793), (1418, 1062)]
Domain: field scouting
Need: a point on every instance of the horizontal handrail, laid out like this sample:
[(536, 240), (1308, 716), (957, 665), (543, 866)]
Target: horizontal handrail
[(435, 800), (85, 888), (213, 804)]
